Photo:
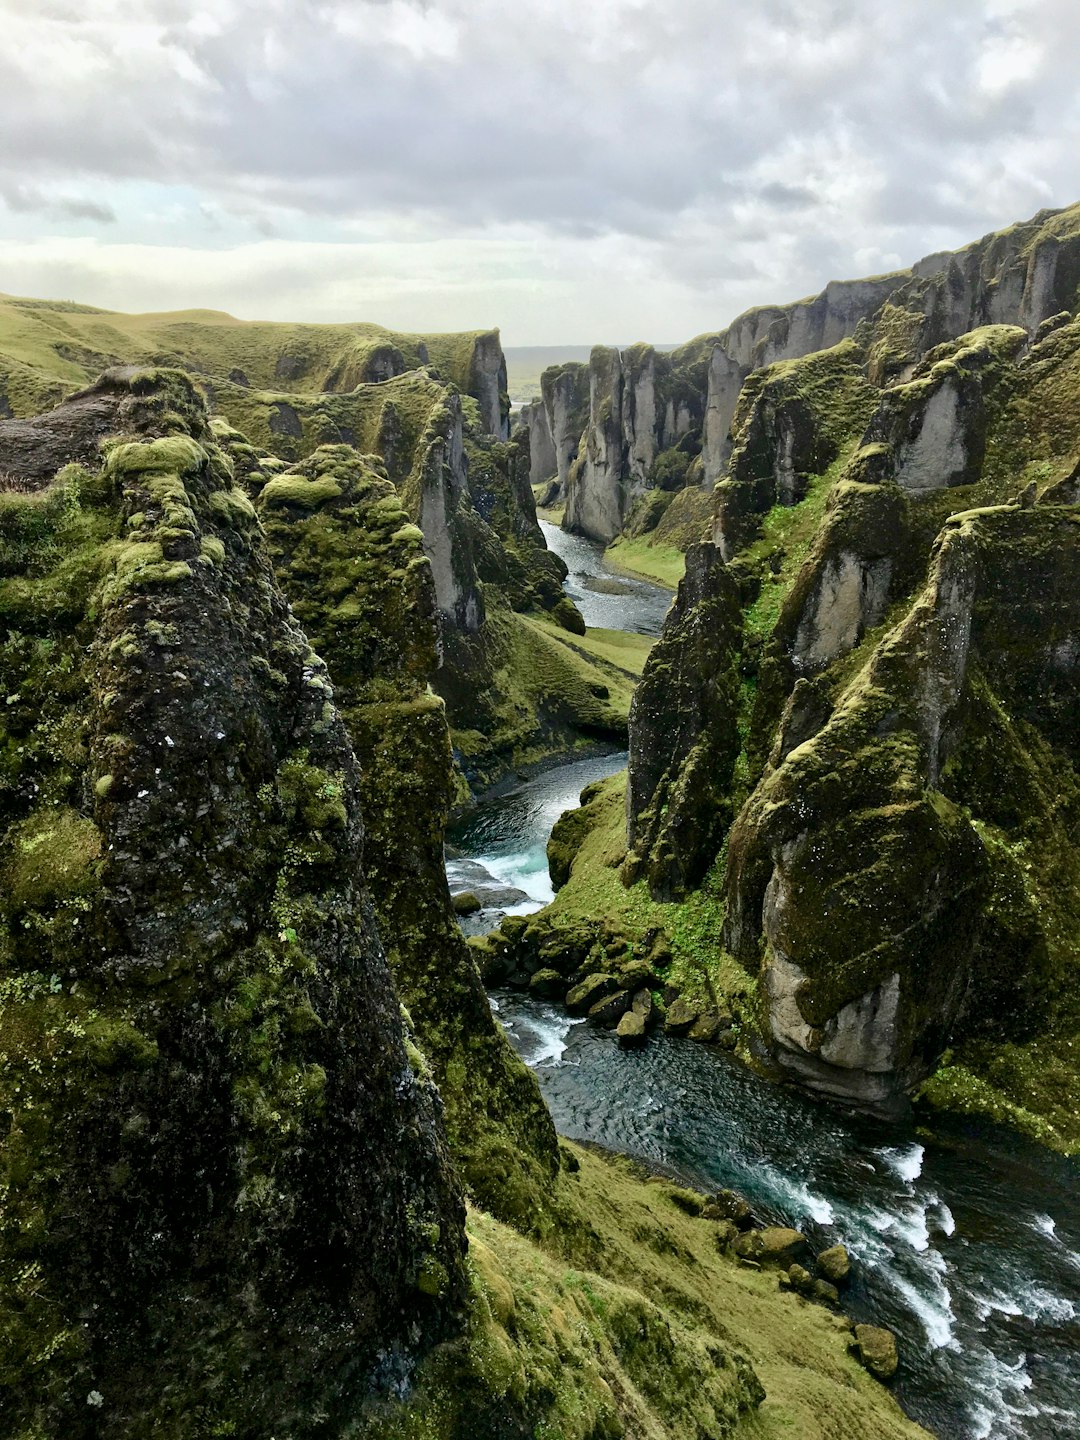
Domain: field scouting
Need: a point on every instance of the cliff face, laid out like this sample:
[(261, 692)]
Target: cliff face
[(640, 405), (1020, 277), (188, 953), (903, 874)]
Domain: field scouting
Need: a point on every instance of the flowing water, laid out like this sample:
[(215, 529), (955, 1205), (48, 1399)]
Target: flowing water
[(637, 606), (968, 1246)]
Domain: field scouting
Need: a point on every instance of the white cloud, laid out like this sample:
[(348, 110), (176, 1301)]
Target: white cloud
[(561, 165)]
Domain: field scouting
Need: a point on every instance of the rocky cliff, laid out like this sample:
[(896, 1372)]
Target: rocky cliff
[(1020, 276), (188, 953), (903, 876), (231, 1187)]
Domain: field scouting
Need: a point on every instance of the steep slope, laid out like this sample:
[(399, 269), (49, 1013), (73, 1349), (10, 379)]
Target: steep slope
[(903, 877)]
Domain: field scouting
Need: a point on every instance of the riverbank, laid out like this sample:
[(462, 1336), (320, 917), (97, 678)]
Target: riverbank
[(637, 559), (966, 1240)]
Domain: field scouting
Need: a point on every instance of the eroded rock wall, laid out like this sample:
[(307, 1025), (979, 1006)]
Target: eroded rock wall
[(188, 955)]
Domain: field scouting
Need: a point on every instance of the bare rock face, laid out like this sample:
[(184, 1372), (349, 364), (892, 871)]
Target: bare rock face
[(543, 462), (595, 494), (487, 383), (198, 1009), (726, 377), (934, 427), (789, 424), (641, 404), (442, 514), (565, 391), (1018, 277)]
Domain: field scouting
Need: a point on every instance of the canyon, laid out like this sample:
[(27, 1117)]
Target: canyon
[(279, 610)]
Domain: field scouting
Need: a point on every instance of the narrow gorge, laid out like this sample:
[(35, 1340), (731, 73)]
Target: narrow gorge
[(560, 923)]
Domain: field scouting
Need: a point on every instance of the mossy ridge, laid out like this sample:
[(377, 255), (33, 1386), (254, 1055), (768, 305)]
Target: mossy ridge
[(359, 581), (588, 1335), (179, 952), (68, 345)]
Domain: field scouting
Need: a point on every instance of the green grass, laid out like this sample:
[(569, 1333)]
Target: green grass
[(621, 648), (627, 1318), (56, 343), (662, 564)]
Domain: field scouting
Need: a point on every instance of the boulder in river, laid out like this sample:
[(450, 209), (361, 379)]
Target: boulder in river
[(547, 984), (466, 903), (876, 1348), (630, 1031), (589, 992), (834, 1265), (681, 1015), (729, 1205), (774, 1245), (643, 1005), (610, 1010)]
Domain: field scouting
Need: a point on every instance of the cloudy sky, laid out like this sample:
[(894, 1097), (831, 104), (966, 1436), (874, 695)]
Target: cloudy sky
[(571, 170)]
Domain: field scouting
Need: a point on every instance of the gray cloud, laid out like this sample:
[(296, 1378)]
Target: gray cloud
[(25, 200), (778, 142)]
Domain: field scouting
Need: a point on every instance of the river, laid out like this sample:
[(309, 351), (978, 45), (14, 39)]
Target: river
[(967, 1244)]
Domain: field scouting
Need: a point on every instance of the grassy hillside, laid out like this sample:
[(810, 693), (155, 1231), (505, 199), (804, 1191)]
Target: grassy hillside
[(48, 348)]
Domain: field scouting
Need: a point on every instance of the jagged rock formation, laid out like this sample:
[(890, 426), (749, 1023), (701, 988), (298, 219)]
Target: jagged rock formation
[(640, 405), (187, 957), (354, 568), (543, 461), (228, 1206), (555, 424), (902, 559), (1021, 276)]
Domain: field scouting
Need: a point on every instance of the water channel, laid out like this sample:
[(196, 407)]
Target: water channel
[(967, 1244)]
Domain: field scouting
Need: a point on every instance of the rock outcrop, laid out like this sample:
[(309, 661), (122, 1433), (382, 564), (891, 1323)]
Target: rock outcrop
[(565, 392), (684, 733), (188, 955), (889, 895)]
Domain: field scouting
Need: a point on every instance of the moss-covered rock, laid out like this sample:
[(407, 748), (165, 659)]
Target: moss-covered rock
[(865, 978), (187, 952), (359, 580), (684, 734)]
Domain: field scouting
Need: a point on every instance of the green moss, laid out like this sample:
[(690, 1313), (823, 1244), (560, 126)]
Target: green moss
[(306, 493)]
